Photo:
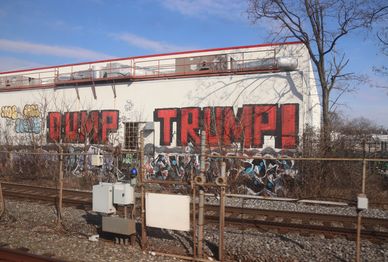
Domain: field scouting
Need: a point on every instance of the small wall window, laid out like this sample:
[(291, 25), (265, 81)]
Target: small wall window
[(131, 138)]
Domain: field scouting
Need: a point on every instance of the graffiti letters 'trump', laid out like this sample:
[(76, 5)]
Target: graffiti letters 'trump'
[(223, 126), (74, 127)]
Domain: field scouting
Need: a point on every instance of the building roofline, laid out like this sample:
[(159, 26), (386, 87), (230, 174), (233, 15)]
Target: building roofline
[(153, 55)]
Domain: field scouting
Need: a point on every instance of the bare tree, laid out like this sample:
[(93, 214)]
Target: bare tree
[(320, 25), (383, 43)]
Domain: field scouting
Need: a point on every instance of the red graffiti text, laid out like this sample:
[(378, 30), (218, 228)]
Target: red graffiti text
[(75, 127), (223, 126)]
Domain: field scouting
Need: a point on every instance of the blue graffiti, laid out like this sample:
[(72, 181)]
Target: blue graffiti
[(30, 125)]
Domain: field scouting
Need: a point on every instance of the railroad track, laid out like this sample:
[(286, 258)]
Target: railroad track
[(329, 225), (15, 255), (49, 194)]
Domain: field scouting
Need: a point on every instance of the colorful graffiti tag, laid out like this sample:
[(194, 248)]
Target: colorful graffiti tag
[(171, 166), (222, 125), (79, 165), (249, 175), (32, 125), (26, 120), (9, 112), (266, 176), (75, 127)]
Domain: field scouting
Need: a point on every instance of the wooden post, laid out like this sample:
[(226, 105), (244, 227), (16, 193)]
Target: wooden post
[(60, 187)]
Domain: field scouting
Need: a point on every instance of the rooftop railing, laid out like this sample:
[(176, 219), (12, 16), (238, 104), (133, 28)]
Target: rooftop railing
[(133, 69)]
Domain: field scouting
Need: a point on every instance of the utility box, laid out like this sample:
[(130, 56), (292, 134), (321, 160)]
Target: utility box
[(118, 225), (123, 194), (97, 160), (103, 198), (362, 202)]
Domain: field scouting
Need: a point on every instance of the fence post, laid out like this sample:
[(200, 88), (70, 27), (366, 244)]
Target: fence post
[(193, 188), (2, 201), (194, 219), (143, 220), (358, 239), (60, 185), (222, 215), (201, 198)]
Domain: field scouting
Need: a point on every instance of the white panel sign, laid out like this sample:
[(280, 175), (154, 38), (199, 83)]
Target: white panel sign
[(168, 211)]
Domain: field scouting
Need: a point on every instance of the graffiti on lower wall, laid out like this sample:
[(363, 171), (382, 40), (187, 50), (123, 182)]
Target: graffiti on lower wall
[(26, 120), (248, 175), (171, 166), (78, 165), (267, 176), (248, 127), (75, 127)]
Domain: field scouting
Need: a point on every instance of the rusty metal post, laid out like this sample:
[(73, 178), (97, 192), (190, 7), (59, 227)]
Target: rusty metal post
[(201, 222), (364, 164), (2, 201), (358, 239), (60, 187), (142, 189), (11, 162), (221, 244), (201, 214), (194, 203)]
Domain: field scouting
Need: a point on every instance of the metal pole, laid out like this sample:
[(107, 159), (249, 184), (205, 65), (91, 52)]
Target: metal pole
[(201, 198), (2, 202), (358, 239), (143, 222), (194, 216), (364, 163), (222, 216), (60, 192), (200, 222)]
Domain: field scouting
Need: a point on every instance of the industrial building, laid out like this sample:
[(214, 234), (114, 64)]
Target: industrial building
[(247, 97)]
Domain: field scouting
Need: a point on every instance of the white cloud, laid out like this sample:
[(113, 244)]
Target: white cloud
[(59, 24), (11, 63), (227, 9), (148, 44), (51, 50)]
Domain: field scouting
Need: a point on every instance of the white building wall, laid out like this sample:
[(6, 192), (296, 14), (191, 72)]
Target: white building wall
[(137, 101)]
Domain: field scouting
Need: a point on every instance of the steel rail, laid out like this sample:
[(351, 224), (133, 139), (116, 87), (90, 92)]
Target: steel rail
[(14, 255), (327, 224)]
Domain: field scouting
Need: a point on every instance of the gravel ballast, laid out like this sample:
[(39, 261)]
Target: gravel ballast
[(32, 226)]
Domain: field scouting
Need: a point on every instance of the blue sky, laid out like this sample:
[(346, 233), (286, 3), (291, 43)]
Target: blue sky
[(52, 32)]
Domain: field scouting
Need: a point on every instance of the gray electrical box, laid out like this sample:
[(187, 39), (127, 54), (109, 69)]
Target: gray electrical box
[(123, 194), (103, 198), (118, 225)]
